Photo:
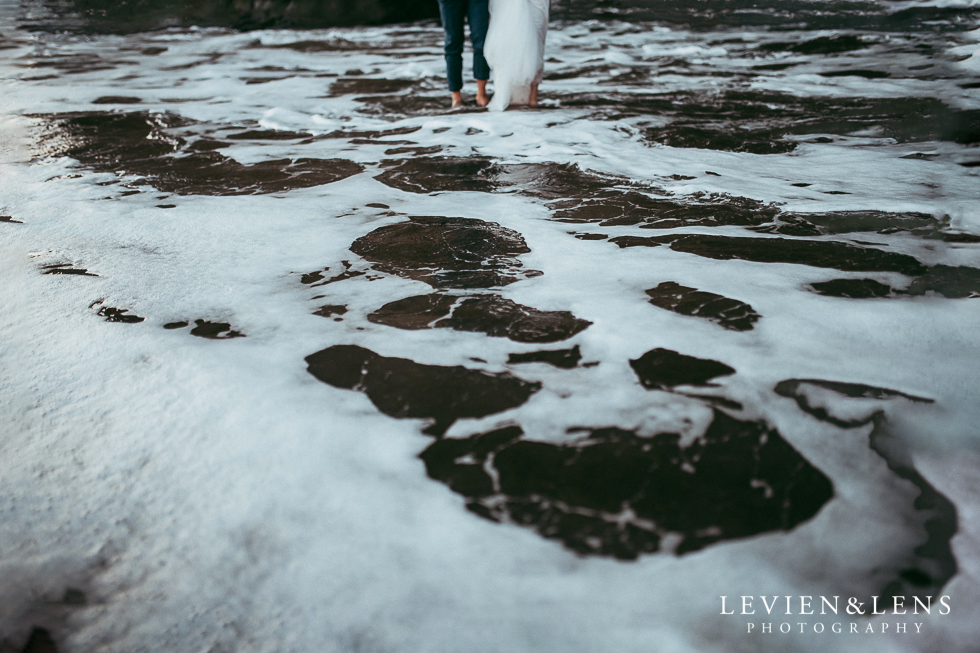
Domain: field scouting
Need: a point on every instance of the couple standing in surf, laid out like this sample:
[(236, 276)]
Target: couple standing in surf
[(508, 38)]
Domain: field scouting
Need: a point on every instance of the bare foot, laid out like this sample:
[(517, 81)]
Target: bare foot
[(481, 93), (457, 99), (532, 100)]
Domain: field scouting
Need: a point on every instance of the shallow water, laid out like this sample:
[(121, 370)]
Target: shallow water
[(703, 324)]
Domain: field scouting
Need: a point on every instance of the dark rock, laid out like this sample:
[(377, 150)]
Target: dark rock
[(662, 369), (176, 325), (402, 388), (142, 143), (447, 252), (614, 493), (215, 330), (729, 313), (563, 358), (10, 219)]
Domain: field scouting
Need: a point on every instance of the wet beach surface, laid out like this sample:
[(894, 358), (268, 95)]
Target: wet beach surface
[(703, 324)]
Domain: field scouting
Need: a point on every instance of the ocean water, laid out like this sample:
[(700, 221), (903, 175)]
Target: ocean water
[(293, 358)]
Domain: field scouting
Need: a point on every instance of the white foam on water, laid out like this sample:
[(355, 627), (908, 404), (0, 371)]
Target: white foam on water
[(212, 495)]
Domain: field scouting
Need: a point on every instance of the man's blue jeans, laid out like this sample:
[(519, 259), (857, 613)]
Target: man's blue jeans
[(454, 12)]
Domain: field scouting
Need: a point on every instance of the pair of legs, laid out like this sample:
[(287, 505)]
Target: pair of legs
[(454, 14)]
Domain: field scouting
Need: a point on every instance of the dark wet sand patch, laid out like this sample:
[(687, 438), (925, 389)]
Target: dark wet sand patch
[(142, 143), (267, 135), (317, 278), (922, 225), (394, 107), (821, 254), (251, 81), (564, 358), (925, 569), (413, 313), (489, 314), (40, 641), (867, 74), (475, 173), (215, 330), (683, 300), (776, 66), (757, 121), (383, 133), (402, 388), (117, 99), (662, 369), (950, 282), (330, 310), (797, 389), (111, 16), (371, 86), (852, 288), (431, 175), (414, 151), (207, 145), (74, 64), (583, 196), (447, 252), (65, 268), (615, 493), (614, 207), (819, 45), (112, 314)]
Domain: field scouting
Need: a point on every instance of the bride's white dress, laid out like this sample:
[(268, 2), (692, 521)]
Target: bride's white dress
[(515, 49)]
